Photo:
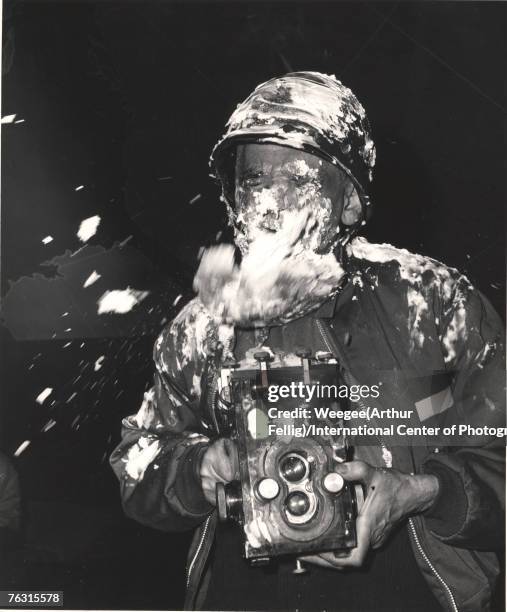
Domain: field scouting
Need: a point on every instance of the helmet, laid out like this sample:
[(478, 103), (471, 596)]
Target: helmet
[(304, 110)]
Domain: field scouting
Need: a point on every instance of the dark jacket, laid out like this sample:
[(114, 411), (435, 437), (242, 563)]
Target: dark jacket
[(400, 316)]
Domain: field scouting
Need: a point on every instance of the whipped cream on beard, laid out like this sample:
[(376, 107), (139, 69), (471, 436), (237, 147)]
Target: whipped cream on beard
[(281, 276)]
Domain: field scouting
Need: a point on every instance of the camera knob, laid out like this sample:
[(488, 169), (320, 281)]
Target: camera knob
[(231, 364), (333, 482), (268, 488), (303, 352), (262, 356)]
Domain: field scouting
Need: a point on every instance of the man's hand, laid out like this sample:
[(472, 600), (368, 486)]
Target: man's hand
[(219, 464), (390, 496)]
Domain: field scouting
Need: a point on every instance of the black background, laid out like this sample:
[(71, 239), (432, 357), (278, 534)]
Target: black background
[(127, 99)]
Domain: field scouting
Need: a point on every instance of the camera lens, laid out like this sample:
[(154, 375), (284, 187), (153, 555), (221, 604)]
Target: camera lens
[(297, 503), (293, 468)]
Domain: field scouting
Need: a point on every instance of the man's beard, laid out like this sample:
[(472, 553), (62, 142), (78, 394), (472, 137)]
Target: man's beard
[(278, 280)]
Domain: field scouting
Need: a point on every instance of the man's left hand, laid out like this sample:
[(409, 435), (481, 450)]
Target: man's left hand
[(390, 496)]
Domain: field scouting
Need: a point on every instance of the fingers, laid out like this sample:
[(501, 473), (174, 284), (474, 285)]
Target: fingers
[(232, 459), (220, 461), (355, 471), (321, 560), (347, 559)]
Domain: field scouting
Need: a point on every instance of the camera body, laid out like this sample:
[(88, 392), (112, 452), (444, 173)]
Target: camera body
[(289, 499)]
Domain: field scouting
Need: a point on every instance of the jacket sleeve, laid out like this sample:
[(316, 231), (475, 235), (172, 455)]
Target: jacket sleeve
[(158, 459), (469, 509)]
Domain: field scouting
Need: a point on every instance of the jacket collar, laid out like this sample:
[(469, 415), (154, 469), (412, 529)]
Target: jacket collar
[(327, 309)]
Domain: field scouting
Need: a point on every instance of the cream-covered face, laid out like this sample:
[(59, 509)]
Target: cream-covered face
[(273, 182)]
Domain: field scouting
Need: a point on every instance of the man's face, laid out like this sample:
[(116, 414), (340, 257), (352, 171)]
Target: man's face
[(272, 183)]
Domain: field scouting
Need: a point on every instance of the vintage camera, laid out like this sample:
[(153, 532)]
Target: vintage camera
[(289, 499)]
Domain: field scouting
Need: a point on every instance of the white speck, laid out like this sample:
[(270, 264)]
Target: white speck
[(98, 363), (51, 423), (489, 403), (88, 228), (65, 314), (19, 121), (79, 188), (387, 457), (22, 447), (124, 242), (8, 118), (357, 280), (178, 298), (44, 395), (47, 240), (195, 198), (92, 279), (71, 397), (69, 329), (120, 301), (66, 345)]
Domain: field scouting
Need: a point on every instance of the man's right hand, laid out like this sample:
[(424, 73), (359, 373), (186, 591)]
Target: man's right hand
[(219, 464)]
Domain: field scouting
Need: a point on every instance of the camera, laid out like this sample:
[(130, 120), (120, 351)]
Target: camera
[(289, 499)]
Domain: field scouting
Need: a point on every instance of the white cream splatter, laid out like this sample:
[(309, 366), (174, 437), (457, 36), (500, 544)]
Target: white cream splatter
[(88, 228), (455, 332), (387, 457), (49, 425), (120, 301), (279, 279), (140, 455), (43, 395), (22, 447), (94, 277), (483, 355), (196, 326), (196, 386), (411, 266), (146, 414), (417, 306), (8, 118)]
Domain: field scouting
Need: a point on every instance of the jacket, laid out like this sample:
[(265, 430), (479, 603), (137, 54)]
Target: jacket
[(409, 317)]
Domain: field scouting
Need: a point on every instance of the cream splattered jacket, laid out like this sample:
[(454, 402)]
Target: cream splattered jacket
[(405, 314)]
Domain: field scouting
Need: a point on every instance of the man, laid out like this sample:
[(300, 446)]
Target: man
[(294, 166)]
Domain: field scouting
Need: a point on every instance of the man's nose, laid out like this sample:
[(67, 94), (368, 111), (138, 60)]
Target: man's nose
[(277, 199)]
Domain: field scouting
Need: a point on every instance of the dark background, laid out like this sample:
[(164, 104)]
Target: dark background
[(127, 99)]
